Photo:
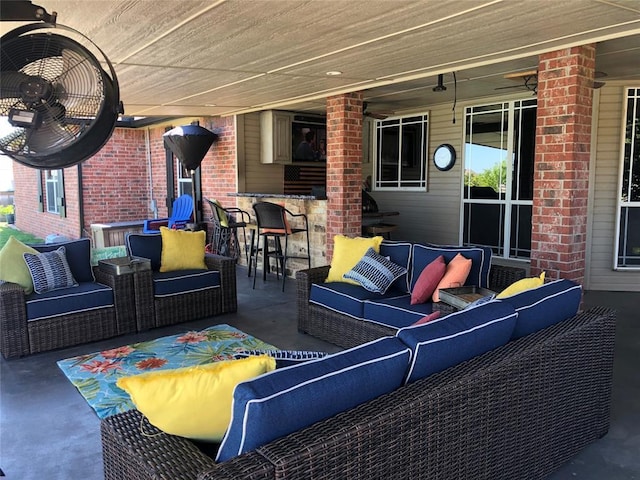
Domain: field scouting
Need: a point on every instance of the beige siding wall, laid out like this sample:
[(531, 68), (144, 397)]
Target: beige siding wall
[(605, 166), (258, 177), (432, 216)]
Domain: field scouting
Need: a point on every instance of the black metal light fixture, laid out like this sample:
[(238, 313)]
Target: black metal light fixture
[(190, 143)]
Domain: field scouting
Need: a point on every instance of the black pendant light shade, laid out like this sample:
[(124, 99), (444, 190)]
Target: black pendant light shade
[(189, 143)]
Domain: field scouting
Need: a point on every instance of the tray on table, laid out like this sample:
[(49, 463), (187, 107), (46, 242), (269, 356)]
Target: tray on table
[(460, 297)]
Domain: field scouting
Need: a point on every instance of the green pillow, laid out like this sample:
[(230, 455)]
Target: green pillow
[(13, 268)]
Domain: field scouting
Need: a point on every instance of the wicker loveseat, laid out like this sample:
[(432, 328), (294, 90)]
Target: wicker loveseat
[(518, 411), (348, 315), (100, 306)]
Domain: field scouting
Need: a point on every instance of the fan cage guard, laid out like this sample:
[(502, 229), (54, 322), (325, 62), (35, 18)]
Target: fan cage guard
[(70, 102)]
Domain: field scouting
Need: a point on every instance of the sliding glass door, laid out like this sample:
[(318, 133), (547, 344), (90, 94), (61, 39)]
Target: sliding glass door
[(498, 177)]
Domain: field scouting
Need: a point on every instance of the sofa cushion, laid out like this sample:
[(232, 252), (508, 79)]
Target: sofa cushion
[(184, 281), (86, 296), (343, 297), (146, 245), (449, 340), (13, 268), (423, 255), (182, 250), (78, 253), (395, 312), (454, 276), (193, 402), (375, 272), (287, 400), (346, 253), (49, 270), (428, 280), (400, 254), (544, 306)]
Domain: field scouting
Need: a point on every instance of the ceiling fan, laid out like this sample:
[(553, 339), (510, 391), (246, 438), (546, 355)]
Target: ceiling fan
[(529, 80), (60, 103), (374, 115)]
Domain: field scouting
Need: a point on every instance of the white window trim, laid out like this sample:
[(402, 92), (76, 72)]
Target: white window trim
[(619, 203), (424, 164)]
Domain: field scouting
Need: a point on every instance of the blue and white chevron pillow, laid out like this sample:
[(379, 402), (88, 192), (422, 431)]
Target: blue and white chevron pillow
[(375, 272), (49, 270)]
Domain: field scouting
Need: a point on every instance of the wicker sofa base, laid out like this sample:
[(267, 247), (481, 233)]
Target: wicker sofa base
[(346, 331), (517, 412)]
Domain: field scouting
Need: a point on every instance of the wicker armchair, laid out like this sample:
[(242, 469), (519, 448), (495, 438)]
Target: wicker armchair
[(21, 335)]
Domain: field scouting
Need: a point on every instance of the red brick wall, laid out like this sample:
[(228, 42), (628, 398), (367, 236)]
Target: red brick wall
[(118, 184), (561, 173), (29, 218), (116, 180), (344, 167), (219, 167)]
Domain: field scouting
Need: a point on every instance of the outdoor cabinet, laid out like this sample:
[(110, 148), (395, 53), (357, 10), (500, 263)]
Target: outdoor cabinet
[(275, 137)]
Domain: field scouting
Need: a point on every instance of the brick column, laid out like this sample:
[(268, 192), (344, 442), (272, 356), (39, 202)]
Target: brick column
[(561, 172), (344, 167)]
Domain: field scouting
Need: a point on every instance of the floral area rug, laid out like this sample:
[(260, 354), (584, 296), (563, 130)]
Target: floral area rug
[(95, 374)]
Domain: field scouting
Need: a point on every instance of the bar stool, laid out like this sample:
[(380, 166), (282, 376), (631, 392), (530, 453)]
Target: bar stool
[(226, 222), (272, 222)]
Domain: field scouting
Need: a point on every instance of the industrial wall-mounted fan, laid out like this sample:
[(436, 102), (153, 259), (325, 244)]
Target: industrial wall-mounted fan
[(60, 103)]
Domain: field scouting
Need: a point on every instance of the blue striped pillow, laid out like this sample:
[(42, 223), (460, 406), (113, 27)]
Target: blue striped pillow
[(49, 270), (375, 272)]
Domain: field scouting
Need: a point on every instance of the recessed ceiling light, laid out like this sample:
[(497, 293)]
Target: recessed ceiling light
[(334, 73), (210, 105)]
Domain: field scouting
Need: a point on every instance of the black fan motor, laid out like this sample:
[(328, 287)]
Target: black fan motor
[(62, 106)]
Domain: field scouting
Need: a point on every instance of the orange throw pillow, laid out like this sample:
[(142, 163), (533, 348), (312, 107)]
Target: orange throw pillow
[(457, 272)]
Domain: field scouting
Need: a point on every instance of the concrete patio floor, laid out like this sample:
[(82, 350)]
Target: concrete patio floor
[(47, 430)]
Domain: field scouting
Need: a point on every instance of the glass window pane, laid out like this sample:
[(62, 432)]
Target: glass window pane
[(521, 231), (629, 237), (486, 156), (483, 225)]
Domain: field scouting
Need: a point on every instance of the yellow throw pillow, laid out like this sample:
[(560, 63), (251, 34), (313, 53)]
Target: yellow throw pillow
[(521, 286), (13, 268), (347, 252), (454, 276), (193, 402), (182, 250)]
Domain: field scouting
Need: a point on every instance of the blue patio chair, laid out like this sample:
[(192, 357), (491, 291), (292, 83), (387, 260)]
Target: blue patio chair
[(180, 216)]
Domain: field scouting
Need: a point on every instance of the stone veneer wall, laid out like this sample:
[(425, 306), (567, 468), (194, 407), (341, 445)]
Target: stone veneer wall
[(316, 211)]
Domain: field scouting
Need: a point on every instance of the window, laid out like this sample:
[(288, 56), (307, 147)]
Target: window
[(51, 192), (51, 180), (498, 177), (185, 184), (627, 250), (401, 153)]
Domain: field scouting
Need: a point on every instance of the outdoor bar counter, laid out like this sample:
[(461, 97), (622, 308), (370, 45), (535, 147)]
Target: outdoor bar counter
[(313, 208)]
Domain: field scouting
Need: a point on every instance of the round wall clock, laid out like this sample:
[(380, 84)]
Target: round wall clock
[(444, 157)]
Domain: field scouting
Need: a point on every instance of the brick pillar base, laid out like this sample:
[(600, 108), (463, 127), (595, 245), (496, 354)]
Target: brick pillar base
[(561, 173), (344, 167)]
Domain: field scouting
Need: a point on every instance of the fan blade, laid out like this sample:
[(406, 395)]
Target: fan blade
[(80, 87), (52, 134), (10, 84)]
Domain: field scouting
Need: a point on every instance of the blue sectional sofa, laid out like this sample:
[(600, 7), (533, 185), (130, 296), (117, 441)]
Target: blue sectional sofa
[(508, 389), (348, 315)]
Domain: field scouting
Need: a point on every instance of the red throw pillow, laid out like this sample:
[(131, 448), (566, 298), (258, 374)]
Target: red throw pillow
[(427, 318), (428, 281), (457, 272)]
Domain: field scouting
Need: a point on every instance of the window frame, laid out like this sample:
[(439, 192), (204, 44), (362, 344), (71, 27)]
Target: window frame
[(632, 95), (401, 184), (509, 202)]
